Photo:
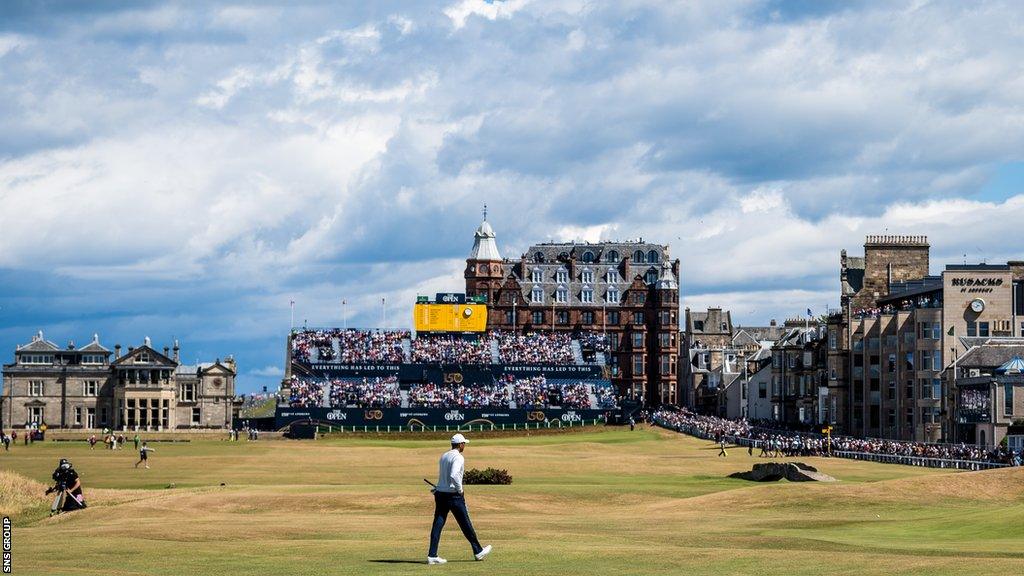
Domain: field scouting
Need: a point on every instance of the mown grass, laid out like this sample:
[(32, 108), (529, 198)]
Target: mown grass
[(600, 501)]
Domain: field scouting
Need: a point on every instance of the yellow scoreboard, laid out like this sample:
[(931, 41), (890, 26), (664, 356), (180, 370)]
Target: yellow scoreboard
[(433, 317)]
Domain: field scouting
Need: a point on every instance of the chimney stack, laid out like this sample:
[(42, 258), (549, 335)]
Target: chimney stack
[(176, 349), (117, 350)]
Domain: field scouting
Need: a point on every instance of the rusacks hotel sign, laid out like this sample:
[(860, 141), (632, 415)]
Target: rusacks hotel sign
[(976, 285)]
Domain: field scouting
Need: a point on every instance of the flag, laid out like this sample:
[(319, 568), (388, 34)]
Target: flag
[(809, 313)]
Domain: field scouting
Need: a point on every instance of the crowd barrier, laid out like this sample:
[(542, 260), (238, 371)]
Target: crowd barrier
[(867, 456), (919, 461)]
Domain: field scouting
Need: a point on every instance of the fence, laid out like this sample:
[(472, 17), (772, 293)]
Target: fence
[(919, 461)]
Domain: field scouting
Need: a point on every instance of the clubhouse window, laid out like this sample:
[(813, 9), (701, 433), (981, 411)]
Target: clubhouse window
[(196, 416), (35, 388)]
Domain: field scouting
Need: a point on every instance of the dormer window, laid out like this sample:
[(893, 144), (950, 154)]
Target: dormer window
[(652, 257), (142, 357), (613, 295), (639, 257), (536, 275), (651, 276), (537, 296), (562, 275), (37, 359), (588, 256), (562, 294), (538, 257), (613, 275), (587, 295), (587, 276), (92, 359)]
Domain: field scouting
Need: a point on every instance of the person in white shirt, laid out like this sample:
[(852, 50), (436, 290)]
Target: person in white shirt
[(448, 497)]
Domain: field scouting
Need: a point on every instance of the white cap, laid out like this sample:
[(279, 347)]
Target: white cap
[(459, 439)]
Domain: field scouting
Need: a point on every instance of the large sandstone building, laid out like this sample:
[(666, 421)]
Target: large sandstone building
[(92, 388), (627, 290), (900, 328)]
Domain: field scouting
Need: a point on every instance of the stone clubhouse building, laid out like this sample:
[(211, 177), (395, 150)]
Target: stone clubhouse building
[(91, 387)]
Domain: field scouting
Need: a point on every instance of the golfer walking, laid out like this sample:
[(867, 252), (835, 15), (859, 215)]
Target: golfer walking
[(144, 455), (448, 497)]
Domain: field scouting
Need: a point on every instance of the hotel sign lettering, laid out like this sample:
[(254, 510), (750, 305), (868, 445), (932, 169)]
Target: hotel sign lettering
[(976, 285)]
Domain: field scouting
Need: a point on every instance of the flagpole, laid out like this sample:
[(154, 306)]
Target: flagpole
[(292, 325), (383, 313), (344, 315)]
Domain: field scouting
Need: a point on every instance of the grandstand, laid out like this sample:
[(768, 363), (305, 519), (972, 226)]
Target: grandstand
[(350, 374)]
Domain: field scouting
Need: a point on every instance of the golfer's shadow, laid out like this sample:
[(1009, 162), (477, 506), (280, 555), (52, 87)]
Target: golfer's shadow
[(397, 561)]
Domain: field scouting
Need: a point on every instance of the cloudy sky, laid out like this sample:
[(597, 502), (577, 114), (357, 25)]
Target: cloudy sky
[(184, 170)]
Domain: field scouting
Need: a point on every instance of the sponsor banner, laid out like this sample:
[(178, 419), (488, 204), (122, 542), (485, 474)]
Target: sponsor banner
[(432, 417), (583, 372), (450, 298), (328, 370)]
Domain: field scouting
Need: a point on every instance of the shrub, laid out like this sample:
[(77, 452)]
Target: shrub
[(488, 476)]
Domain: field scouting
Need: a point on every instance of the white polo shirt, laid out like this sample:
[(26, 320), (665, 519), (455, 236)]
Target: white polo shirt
[(450, 469)]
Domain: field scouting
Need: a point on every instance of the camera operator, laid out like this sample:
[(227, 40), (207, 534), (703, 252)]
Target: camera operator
[(68, 487)]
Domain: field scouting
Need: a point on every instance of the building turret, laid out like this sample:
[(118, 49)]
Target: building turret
[(483, 267)]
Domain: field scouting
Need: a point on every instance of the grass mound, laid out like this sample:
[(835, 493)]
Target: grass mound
[(19, 494)]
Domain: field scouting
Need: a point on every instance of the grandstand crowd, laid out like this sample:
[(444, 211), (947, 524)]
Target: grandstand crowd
[(535, 348), (435, 396), (538, 392), (385, 392), (305, 393), (349, 346), (781, 442), (366, 392), (449, 349)]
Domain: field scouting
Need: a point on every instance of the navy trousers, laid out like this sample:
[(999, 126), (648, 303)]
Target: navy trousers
[(445, 502)]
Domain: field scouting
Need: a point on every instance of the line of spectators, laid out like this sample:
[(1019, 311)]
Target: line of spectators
[(451, 349), (434, 396), (795, 443), (535, 348), (349, 346)]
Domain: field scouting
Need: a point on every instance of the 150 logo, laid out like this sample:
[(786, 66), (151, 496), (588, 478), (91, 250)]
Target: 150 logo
[(373, 415)]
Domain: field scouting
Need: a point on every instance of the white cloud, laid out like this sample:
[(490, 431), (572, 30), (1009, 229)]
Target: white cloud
[(461, 11), (325, 151)]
